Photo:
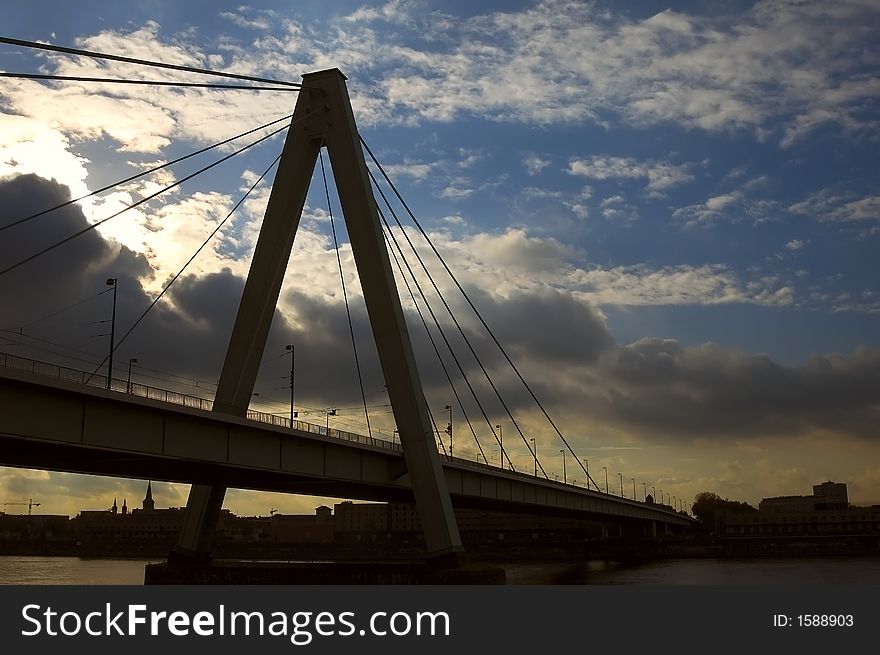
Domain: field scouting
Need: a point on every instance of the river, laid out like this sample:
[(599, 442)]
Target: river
[(753, 571)]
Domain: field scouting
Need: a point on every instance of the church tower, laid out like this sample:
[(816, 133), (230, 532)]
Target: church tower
[(149, 505)]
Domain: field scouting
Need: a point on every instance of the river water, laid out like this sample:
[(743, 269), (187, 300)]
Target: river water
[(754, 571)]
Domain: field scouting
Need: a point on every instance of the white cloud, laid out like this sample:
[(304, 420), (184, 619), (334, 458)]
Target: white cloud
[(415, 170), (795, 245), (535, 163), (516, 262), (829, 206), (453, 192), (717, 203), (661, 175)]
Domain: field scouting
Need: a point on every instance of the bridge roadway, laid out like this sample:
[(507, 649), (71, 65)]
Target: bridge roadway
[(51, 420)]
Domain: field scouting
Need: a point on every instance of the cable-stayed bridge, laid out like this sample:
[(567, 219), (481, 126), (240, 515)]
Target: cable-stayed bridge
[(65, 422)]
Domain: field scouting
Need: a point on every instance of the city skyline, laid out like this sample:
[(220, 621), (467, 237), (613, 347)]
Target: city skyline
[(668, 217)]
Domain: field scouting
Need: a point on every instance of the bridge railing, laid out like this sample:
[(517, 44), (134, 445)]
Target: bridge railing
[(176, 398)]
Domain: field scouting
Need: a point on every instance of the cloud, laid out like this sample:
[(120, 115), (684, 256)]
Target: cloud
[(713, 73), (827, 205), (659, 387), (733, 206), (723, 72), (661, 176), (534, 164)]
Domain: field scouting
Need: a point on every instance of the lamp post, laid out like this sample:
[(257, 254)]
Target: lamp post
[(587, 470), (653, 493), (634, 488), (564, 479), (131, 361), (292, 413), (449, 429), (645, 489), (329, 413), (620, 475), (605, 468), (535, 453), (111, 282), (501, 444)]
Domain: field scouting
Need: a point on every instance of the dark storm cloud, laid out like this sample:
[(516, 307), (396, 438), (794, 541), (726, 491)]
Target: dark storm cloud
[(62, 275), (545, 324), (186, 336), (657, 387)]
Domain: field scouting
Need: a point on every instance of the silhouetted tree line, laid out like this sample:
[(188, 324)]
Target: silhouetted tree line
[(708, 508)]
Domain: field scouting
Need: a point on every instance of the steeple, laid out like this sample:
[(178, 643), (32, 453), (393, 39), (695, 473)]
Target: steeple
[(149, 505), (114, 509), (124, 506)]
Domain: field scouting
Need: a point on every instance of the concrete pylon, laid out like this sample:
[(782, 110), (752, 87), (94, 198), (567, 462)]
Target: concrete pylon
[(323, 116)]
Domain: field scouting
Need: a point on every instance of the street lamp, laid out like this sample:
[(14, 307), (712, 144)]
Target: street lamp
[(449, 429), (131, 361), (535, 453), (587, 470), (645, 489), (329, 413), (111, 282), (292, 413), (654, 493), (564, 480), (501, 444), (634, 488), (605, 468), (621, 483)]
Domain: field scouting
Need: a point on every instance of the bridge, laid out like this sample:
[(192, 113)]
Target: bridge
[(53, 417)]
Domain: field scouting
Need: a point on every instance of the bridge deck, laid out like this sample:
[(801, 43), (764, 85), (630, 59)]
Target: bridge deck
[(50, 419)]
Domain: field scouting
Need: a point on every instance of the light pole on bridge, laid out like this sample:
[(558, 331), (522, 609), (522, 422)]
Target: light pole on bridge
[(131, 361), (620, 475), (654, 493), (449, 429), (329, 413), (292, 413), (634, 488), (501, 444), (587, 470), (535, 453), (564, 480), (605, 468), (645, 489), (111, 282)]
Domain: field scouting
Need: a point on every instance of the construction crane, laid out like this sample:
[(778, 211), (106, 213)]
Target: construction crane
[(30, 505)]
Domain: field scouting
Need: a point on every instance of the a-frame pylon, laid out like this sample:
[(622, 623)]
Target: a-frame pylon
[(323, 116)]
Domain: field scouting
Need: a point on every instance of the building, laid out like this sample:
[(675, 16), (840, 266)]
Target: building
[(827, 511), (361, 521)]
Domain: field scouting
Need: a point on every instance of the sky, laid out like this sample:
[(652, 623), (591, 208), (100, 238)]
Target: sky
[(669, 216)]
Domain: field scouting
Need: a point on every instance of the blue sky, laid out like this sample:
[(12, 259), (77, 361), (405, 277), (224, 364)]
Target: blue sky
[(693, 183)]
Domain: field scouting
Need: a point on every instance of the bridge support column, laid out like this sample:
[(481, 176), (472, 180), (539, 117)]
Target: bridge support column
[(323, 116)]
